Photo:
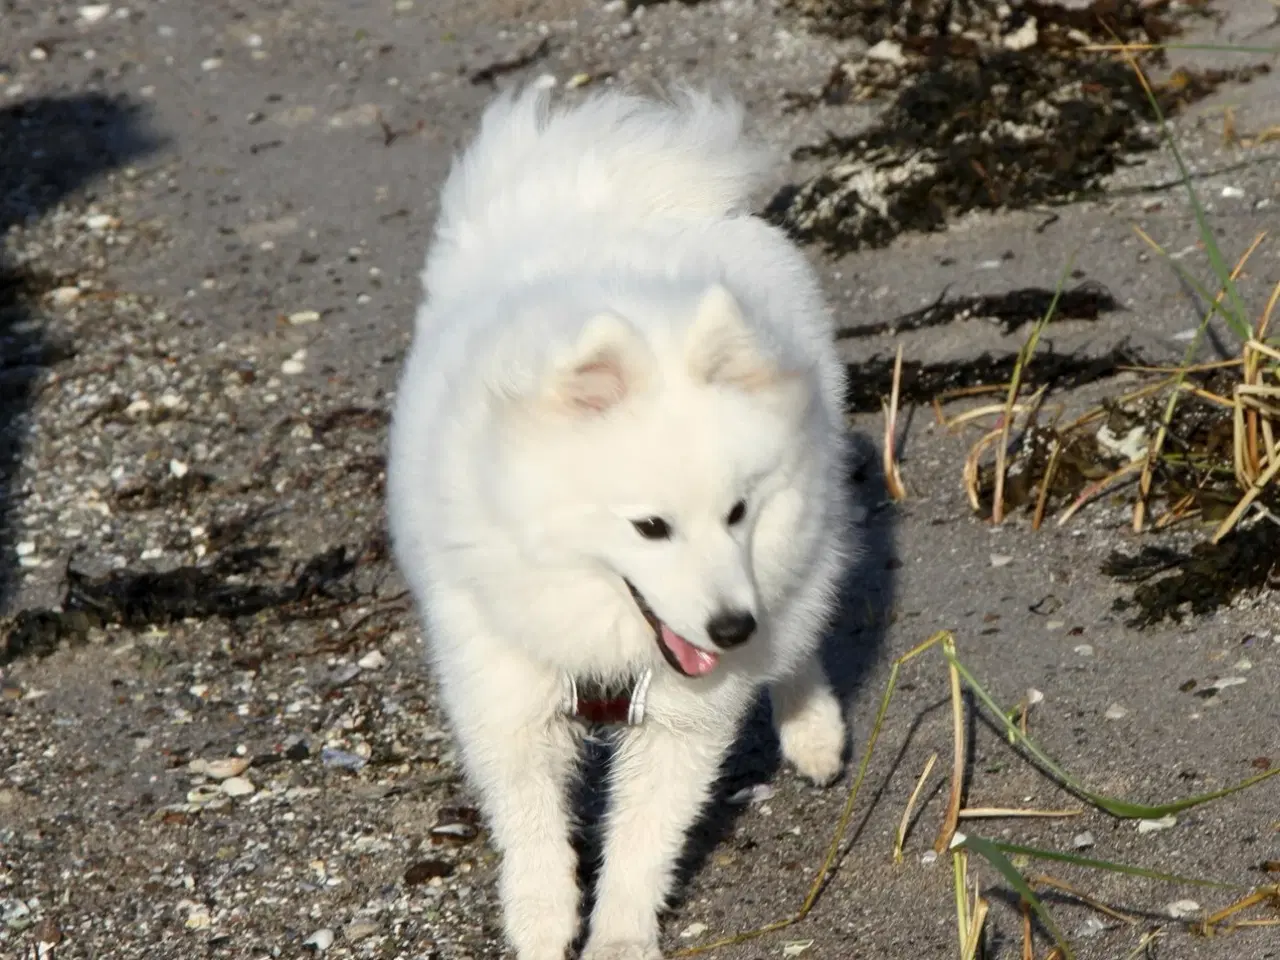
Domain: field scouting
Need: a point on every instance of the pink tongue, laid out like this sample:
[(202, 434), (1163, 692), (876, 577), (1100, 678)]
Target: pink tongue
[(693, 660)]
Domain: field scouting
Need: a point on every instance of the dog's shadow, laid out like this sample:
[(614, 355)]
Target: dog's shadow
[(50, 148), (850, 649)]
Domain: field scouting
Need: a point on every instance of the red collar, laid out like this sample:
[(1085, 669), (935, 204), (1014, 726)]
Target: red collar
[(613, 703)]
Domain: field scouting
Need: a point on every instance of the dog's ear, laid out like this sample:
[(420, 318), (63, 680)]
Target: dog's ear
[(604, 366), (723, 350)]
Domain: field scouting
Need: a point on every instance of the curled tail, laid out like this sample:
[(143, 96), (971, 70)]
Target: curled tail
[(617, 154)]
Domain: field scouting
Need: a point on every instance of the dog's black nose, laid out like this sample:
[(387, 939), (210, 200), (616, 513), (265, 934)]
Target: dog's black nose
[(731, 629)]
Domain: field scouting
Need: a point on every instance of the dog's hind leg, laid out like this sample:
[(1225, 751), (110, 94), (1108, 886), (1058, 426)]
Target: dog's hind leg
[(521, 755), (809, 722), (660, 781)]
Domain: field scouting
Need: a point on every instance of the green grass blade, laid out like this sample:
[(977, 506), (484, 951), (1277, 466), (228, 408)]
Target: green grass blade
[(1037, 853), (1112, 805), (1237, 316), (993, 855)]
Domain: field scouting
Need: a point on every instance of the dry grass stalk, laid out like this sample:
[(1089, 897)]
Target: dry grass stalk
[(1044, 880), (1269, 894), (892, 476), (952, 817), (979, 813), (900, 837)]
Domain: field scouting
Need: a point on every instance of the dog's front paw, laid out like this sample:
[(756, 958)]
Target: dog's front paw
[(622, 951), (813, 740)]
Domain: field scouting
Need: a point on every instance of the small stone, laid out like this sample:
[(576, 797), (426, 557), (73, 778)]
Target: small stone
[(1084, 650), (198, 918), (99, 222), (1224, 682), (1181, 909), (178, 468), (373, 660), (333, 757), (295, 364), (756, 793), (26, 548), (211, 63), (424, 870), (1024, 38), (320, 941), (887, 51), (577, 80), (1116, 712), (300, 317), (355, 932), (1083, 841), (92, 13), (1232, 193), (237, 787), (1000, 560), (204, 794), (63, 296), (226, 769), (38, 54), (1155, 826), (693, 930), (1055, 624)]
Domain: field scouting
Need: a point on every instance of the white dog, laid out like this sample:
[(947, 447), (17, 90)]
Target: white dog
[(616, 488)]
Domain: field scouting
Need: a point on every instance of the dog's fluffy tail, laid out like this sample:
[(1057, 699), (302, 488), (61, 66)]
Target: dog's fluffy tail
[(617, 154)]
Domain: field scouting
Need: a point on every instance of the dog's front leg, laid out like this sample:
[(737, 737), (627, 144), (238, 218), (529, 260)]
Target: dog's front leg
[(521, 755), (660, 782)]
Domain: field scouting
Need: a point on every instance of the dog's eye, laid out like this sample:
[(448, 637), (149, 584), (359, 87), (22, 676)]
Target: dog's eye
[(736, 514), (653, 528)]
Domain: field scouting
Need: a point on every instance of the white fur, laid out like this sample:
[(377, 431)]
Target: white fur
[(608, 335)]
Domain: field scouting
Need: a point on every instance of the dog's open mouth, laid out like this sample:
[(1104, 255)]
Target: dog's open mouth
[(683, 656)]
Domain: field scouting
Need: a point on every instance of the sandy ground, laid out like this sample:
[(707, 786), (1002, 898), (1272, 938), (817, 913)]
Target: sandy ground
[(214, 215)]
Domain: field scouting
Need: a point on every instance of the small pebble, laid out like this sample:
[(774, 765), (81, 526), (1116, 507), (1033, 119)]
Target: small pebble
[(295, 364), (301, 317), (1084, 650), (1000, 560), (1155, 826), (320, 941), (212, 63), (1232, 193), (101, 221), (220, 769), (1082, 841), (373, 660), (1181, 909), (333, 757), (237, 787), (94, 12), (65, 295), (756, 793), (359, 930), (693, 930), (1116, 712), (1224, 682)]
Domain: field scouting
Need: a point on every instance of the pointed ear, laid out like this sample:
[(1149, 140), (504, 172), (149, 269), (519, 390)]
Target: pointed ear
[(723, 350), (604, 367)]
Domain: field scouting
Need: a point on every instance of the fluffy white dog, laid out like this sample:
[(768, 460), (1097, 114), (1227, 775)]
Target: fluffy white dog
[(616, 488)]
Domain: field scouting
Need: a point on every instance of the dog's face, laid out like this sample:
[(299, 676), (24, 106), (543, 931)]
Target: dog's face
[(653, 460)]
